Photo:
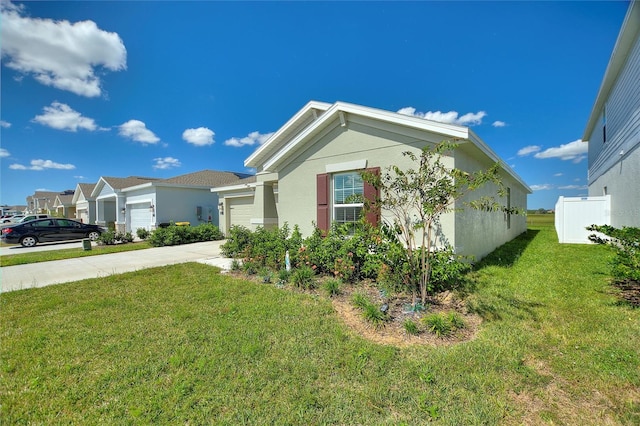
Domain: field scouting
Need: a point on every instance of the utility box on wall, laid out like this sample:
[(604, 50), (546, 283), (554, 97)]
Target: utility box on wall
[(574, 214)]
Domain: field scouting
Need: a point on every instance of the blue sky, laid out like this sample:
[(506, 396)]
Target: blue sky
[(161, 89)]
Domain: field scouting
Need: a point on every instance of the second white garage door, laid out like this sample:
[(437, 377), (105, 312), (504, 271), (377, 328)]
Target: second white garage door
[(139, 216)]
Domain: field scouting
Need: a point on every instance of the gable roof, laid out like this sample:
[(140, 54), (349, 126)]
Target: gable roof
[(286, 142), (629, 32), (85, 189), (207, 178), (118, 184), (63, 200)]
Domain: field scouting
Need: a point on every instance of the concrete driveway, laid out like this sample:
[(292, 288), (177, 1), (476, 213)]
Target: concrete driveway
[(61, 271)]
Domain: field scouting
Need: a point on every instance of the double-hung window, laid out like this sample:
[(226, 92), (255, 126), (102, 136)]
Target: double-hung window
[(348, 197)]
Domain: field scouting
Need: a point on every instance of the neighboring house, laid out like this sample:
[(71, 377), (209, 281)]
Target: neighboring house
[(84, 203), (11, 210), (111, 200), (138, 202), (309, 167), (613, 128), (43, 201), (64, 207)]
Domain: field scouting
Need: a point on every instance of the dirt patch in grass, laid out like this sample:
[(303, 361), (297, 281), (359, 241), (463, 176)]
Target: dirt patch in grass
[(392, 331), (559, 403), (629, 291)]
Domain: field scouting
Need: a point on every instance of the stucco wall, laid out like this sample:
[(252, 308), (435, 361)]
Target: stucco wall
[(478, 233), (622, 182), (179, 205), (380, 147)]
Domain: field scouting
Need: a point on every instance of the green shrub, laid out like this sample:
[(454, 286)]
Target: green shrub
[(283, 275), (359, 300), (410, 327), (373, 314), (303, 277), (437, 324), (250, 267), (235, 265), (173, 235), (237, 241), (443, 324), (124, 237), (447, 270), (107, 238), (625, 242), (142, 233), (332, 287)]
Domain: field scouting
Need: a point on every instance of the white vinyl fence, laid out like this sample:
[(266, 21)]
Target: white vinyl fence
[(574, 214)]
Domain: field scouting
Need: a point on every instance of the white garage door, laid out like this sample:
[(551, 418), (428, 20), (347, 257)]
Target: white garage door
[(240, 211), (83, 215), (140, 216)]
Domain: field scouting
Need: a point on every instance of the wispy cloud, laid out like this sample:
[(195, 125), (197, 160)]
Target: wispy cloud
[(575, 151), (557, 174), (201, 136), (60, 54), (42, 165), (137, 131), (451, 117), (573, 187), (498, 123), (166, 163), (543, 187), (5, 124), (528, 150), (4, 153), (62, 117), (253, 138)]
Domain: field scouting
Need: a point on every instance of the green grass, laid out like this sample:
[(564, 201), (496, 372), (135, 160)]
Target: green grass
[(46, 256), (534, 220), (183, 344)]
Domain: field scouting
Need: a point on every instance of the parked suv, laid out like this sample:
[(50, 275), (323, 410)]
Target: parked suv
[(29, 217)]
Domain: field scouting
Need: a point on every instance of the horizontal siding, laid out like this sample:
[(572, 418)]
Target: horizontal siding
[(623, 118)]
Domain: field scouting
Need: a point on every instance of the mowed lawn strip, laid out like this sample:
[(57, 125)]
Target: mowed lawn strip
[(184, 344), (46, 256)]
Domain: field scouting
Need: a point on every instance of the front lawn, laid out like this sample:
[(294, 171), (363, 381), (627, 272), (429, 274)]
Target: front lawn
[(184, 344)]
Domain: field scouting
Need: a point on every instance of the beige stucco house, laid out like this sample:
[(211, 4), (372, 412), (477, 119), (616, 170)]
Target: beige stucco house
[(307, 171)]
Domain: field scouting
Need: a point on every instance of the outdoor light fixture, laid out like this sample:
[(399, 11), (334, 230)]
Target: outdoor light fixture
[(123, 211), (152, 208)]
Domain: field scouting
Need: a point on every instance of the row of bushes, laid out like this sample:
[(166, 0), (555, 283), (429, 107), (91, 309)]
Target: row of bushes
[(368, 253), (167, 236)]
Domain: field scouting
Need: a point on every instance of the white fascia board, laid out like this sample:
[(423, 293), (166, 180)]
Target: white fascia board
[(141, 186), (624, 43), (148, 200), (486, 150), (76, 194), (451, 130), (98, 188), (234, 187), (262, 151)]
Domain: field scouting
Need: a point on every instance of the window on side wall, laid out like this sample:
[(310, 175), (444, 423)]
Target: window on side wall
[(348, 197)]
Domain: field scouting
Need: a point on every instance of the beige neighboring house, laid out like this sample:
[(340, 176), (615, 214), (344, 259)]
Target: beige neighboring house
[(306, 171), (43, 201), (64, 207), (84, 203)]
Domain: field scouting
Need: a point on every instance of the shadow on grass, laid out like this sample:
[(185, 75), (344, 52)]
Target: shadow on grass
[(508, 253)]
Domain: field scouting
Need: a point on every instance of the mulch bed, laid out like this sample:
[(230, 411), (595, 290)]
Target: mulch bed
[(629, 291)]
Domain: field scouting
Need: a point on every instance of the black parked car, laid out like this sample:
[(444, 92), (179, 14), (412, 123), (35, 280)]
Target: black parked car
[(49, 230)]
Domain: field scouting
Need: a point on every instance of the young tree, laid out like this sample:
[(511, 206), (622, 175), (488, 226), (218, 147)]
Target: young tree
[(416, 198)]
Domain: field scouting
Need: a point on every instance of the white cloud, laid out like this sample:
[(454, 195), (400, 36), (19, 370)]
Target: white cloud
[(201, 136), (542, 187), (451, 117), (528, 150), (498, 123), (5, 124), (558, 174), (79, 177), (42, 165), (4, 153), (136, 130), (575, 151), (573, 187), (252, 138), (166, 163), (60, 54), (62, 117)]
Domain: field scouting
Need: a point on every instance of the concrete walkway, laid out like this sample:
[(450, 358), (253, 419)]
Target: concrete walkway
[(61, 271)]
